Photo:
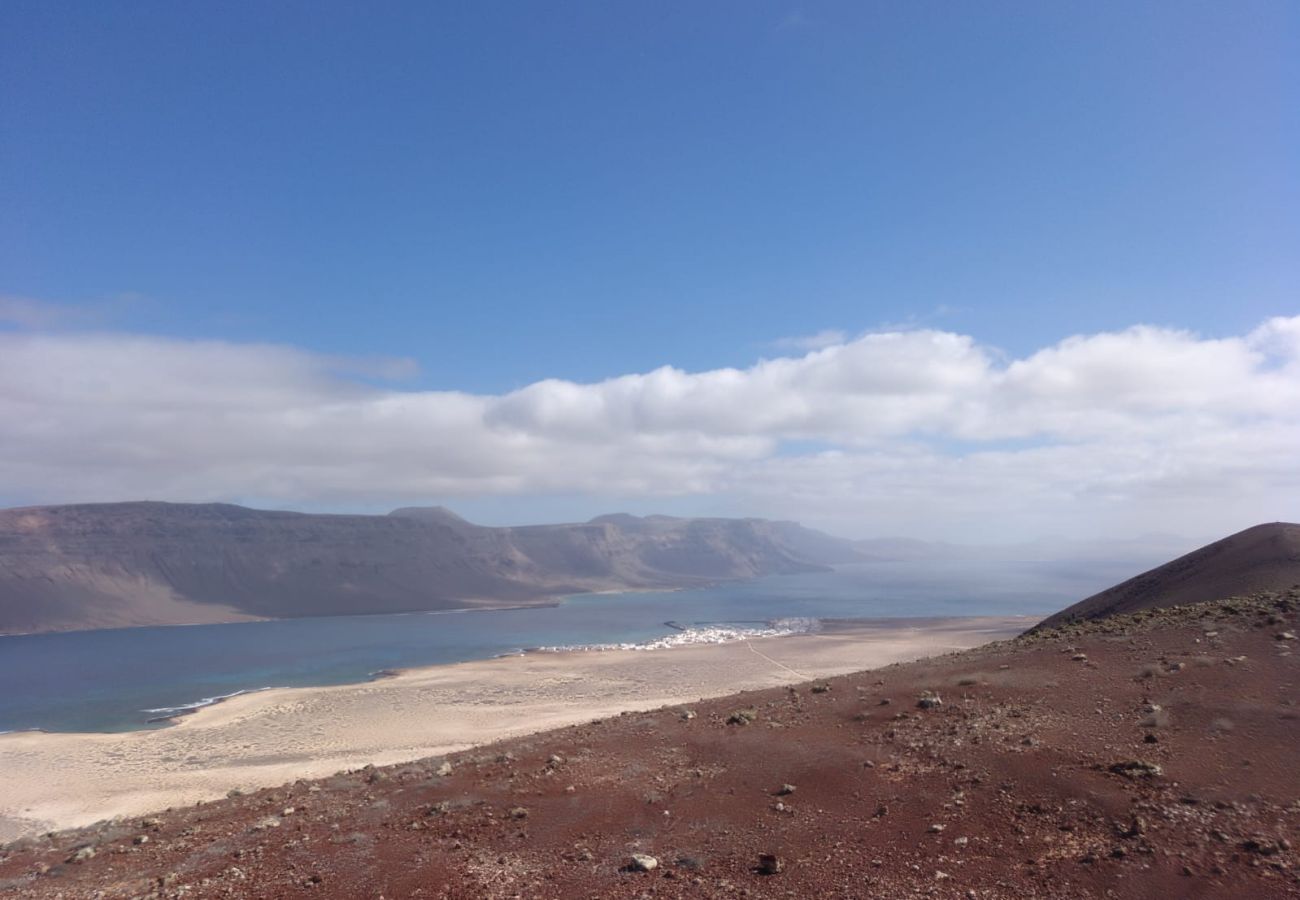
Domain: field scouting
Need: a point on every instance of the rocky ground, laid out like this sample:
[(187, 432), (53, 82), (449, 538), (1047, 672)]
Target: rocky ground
[(1149, 755)]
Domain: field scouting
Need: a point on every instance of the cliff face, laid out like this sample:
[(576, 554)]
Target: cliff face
[(1262, 558), (123, 564)]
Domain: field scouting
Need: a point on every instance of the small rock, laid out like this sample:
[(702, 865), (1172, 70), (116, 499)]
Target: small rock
[(643, 862), (1079, 657), (820, 687), (287, 811), (1136, 828), (936, 828), (742, 717), (519, 812), (1286, 636), (554, 760), (1262, 846), (140, 839), (929, 701), (82, 854), (769, 864), (961, 841), (687, 714), (785, 790), (443, 770), (1136, 769)]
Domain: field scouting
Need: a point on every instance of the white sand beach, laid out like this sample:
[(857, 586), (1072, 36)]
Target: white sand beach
[(50, 781)]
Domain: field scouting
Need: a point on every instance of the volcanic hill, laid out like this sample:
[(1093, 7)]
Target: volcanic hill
[(1262, 558)]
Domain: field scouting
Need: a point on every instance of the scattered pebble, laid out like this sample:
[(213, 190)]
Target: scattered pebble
[(643, 862)]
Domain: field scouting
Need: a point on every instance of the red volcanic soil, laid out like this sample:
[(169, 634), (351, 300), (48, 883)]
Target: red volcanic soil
[(1262, 558), (1152, 755)]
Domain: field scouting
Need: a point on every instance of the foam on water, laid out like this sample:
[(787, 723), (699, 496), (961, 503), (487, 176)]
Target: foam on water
[(199, 704), (704, 634)]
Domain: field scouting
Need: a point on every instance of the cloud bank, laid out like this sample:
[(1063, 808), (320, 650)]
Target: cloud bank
[(919, 432)]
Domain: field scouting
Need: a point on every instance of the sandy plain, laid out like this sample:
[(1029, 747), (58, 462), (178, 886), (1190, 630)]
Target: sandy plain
[(55, 781)]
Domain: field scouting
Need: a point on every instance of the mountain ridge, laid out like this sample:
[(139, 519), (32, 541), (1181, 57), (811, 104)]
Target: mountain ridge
[(82, 566)]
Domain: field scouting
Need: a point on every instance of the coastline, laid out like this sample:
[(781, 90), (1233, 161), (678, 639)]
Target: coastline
[(267, 738)]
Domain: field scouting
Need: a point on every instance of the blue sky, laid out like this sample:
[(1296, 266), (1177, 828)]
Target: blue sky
[(505, 193)]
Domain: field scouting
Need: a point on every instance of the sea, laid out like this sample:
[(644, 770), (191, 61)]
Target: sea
[(132, 678)]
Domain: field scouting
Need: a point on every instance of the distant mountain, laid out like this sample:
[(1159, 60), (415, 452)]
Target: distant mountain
[(440, 515), (148, 563), (1262, 558)]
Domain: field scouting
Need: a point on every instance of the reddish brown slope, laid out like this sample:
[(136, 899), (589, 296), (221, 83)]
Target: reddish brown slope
[(1138, 757), (1262, 558)]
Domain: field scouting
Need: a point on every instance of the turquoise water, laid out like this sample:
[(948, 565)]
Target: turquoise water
[(117, 680)]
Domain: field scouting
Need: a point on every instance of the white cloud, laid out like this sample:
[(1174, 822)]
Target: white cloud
[(920, 432)]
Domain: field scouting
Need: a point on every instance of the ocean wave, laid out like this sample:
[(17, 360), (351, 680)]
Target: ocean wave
[(199, 704), (702, 634)]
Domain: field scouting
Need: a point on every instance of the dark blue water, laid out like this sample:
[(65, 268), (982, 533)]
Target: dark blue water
[(105, 680)]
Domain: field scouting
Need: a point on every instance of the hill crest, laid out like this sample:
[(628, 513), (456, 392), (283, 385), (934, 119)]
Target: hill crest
[(1260, 558)]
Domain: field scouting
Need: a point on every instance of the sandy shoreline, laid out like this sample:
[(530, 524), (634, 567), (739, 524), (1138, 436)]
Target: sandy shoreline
[(271, 737)]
